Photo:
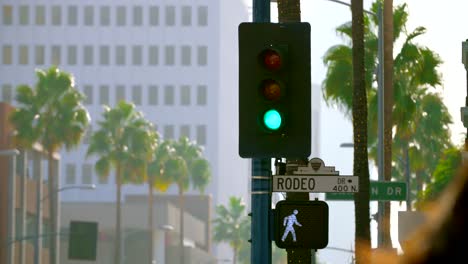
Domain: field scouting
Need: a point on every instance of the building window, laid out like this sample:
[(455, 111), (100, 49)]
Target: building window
[(87, 174), (120, 55), (202, 58), (170, 15), (72, 16), (201, 95), (88, 15), (169, 95), (88, 55), (39, 55), (153, 55), (154, 15), (185, 131), (88, 92), (153, 95), (71, 55), (137, 15), (185, 95), (40, 15), (121, 16), (104, 55), (202, 16), (169, 55), (70, 174), (7, 93), (186, 15), (7, 54), (201, 134), (137, 55), (55, 58), (104, 14), (104, 94), (136, 94), (168, 132), (7, 11), (56, 15), (23, 55), (186, 55), (24, 15), (120, 93)]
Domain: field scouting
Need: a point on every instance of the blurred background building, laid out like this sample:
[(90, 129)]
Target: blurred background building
[(175, 60)]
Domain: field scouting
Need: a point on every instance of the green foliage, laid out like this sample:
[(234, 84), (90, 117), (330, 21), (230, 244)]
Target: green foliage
[(51, 113), (420, 118), (443, 174), (232, 226)]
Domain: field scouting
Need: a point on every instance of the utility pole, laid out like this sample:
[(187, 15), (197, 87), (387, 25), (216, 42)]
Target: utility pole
[(261, 180)]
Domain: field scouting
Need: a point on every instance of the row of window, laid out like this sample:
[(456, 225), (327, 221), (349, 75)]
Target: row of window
[(168, 132), (88, 15), (87, 168), (105, 55), (102, 94)]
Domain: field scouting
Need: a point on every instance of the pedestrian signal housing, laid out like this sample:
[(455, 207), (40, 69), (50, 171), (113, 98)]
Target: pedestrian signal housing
[(301, 224)]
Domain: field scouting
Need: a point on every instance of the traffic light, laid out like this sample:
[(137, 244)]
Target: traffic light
[(274, 90), (82, 240), (301, 224)]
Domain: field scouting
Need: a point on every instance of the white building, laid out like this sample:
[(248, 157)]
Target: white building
[(175, 60)]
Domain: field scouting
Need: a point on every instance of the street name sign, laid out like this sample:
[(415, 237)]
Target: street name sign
[(379, 191), (316, 184)]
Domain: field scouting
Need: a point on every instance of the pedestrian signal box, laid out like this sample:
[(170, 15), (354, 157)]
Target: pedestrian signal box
[(301, 224)]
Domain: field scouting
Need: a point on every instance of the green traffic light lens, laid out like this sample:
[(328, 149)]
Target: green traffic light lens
[(272, 119)]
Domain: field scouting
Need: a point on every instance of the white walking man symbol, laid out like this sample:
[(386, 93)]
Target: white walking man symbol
[(289, 222)]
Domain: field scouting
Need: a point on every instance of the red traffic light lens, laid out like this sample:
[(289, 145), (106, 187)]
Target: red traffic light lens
[(271, 90), (272, 60)]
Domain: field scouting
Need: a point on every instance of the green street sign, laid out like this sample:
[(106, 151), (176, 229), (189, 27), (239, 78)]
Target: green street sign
[(379, 191)]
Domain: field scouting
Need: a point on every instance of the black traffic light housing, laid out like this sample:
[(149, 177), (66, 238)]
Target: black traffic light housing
[(82, 240), (274, 90), (307, 222)]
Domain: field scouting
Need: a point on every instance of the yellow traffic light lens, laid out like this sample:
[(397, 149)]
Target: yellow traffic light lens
[(271, 90), (272, 119)]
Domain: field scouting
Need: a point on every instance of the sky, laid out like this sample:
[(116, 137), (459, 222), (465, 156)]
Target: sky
[(444, 21)]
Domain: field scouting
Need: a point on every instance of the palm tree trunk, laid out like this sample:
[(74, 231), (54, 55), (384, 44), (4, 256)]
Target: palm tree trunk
[(52, 208), (150, 218), (407, 175), (118, 227), (388, 106), (361, 163), (289, 11), (234, 254), (181, 218)]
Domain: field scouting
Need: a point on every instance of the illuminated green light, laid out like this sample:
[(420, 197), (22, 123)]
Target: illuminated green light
[(272, 119)]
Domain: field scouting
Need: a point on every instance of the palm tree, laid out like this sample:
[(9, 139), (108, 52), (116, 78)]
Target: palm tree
[(143, 148), (359, 112), (230, 225), (51, 114), (115, 143), (415, 77), (186, 166)]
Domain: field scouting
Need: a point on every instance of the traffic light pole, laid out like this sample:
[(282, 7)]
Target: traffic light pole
[(261, 179), (298, 255)]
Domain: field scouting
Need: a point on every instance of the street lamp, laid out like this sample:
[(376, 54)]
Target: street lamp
[(11, 200), (37, 255)]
